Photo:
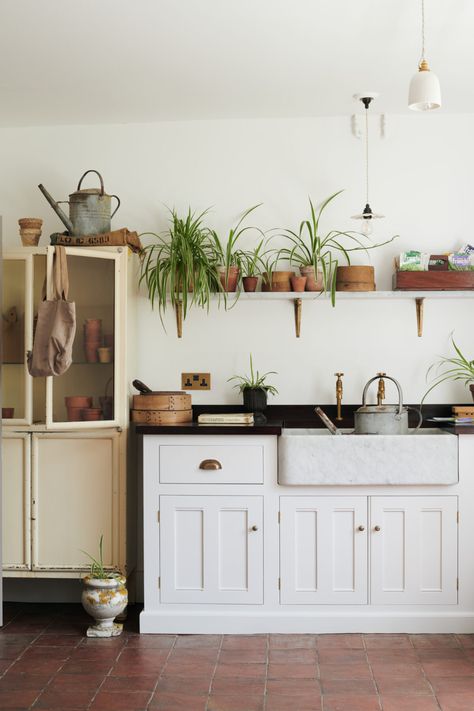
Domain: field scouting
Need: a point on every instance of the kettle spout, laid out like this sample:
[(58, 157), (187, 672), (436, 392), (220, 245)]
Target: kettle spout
[(62, 215)]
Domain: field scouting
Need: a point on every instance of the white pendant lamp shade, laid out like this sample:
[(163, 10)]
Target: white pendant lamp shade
[(425, 91)]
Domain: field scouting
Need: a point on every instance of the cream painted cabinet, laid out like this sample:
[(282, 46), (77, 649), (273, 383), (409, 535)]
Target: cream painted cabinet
[(16, 501), (64, 474), (414, 550), (323, 550), (211, 549)]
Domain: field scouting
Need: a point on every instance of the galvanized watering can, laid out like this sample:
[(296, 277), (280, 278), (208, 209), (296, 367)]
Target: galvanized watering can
[(89, 209), (384, 419)]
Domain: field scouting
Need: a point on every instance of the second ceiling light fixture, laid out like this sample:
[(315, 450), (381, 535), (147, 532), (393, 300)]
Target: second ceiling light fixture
[(425, 91)]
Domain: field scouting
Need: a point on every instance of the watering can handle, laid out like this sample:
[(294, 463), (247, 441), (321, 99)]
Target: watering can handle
[(118, 205), (100, 178), (386, 377)]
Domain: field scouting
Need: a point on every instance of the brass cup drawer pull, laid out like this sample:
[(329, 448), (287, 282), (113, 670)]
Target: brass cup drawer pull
[(210, 465)]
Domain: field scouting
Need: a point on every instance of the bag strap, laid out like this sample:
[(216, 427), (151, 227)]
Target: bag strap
[(60, 274)]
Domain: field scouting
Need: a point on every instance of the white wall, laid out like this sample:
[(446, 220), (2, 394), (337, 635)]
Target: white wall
[(422, 181)]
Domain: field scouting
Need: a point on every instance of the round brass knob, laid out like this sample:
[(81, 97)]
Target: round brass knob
[(361, 528), (376, 528), (254, 528), (210, 465)]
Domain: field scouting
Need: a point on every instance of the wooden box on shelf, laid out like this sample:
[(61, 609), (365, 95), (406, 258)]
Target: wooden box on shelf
[(433, 281)]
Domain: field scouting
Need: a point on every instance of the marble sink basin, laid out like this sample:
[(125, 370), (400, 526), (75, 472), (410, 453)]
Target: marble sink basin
[(308, 457)]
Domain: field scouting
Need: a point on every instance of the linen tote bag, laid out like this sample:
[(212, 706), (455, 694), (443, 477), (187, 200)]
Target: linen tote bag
[(56, 324)]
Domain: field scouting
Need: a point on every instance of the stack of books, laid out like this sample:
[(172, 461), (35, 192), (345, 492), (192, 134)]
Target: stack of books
[(226, 418)]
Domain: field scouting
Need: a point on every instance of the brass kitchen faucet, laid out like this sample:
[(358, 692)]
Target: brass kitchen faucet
[(338, 394)]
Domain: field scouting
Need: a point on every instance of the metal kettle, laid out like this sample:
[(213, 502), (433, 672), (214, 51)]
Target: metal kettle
[(89, 208), (384, 419)]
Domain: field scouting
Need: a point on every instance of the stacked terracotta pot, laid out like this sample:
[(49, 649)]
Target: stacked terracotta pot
[(92, 339), (80, 407)]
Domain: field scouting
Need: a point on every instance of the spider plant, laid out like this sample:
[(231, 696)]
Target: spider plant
[(313, 249), (251, 260), (457, 367), (181, 261), (97, 568), (254, 381), (269, 262), (227, 254)]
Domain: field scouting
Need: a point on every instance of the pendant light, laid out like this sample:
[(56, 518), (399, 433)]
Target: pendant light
[(425, 91), (367, 216)]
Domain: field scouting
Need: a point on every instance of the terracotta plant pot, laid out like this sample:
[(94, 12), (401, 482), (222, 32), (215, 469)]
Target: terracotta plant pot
[(298, 283), (355, 278), (312, 284), (105, 354), (93, 324), (250, 283), (78, 401), (91, 413), (30, 230), (90, 352), (7, 413), (280, 281), (74, 414), (229, 278)]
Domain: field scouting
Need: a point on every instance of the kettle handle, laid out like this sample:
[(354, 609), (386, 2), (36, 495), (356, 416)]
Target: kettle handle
[(399, 388), (420, 420), (100, 178), (118, 205)]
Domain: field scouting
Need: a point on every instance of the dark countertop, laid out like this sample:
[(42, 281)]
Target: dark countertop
[(295, 416)]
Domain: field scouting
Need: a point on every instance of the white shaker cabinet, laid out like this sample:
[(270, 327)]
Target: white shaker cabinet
[(16, 516), (323, 550), (211, 549), (414, 549)]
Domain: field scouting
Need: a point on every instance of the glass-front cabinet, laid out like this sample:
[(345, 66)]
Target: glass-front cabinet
[(64, 438), (86, 395)]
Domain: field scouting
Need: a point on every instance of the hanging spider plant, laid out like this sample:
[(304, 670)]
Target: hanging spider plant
[(456, 368), (180, 265), (310, 248)]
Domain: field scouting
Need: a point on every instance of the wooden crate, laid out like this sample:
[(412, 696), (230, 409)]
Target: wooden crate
[(433, 281)]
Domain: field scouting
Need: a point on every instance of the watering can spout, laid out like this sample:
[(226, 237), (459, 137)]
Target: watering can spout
[(62, 215)]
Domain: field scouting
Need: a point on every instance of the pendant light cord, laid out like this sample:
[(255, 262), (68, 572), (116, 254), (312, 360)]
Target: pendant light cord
[(422, 30), (367, 154)]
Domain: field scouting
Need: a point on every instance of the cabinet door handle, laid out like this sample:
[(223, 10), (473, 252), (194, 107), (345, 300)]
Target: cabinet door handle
[(210, 465), (376, 528), (254, 528), (361, 528)]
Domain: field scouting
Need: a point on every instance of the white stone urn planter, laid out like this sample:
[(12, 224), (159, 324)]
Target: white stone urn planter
[(104, 599)]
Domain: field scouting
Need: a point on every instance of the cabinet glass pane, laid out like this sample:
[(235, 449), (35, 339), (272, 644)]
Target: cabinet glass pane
[(91, 375), (13, 332)]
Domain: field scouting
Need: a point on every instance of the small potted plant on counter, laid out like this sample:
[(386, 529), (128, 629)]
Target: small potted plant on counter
[(255, 391), (227, 255), (104, 597), (457, 367)]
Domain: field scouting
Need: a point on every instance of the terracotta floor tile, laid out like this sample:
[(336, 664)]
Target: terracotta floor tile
[(33, 653), (24, 680), (409, 703), (255, 671), (466, 640), (145, 656), (185, 669), (235, 703), (342, 656), (434, 641), (156, 641), (405, 687), (143, 682), (278, 702), (454, 685), (17, 698), (80, 666), (64, 699), (233, 686), (178, 702), (192, 685), (357, 687), (202, 654), (353, 670), (57, 640), (444, 653), (243, 641), (446, 667), (189, 641), (393, 655), (456, 702), (404, 670), (339, 641), (301, 656), (277, 670), (292, 641), (120, 701), (39, 666), (76, 681), (387, 641), (341, 702), (295, 687), (235, 656)]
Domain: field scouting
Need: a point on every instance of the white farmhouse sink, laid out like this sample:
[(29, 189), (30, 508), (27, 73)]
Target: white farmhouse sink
[(309, 457)]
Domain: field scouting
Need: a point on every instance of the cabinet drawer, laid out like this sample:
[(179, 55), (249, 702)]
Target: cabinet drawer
[(234, 464)]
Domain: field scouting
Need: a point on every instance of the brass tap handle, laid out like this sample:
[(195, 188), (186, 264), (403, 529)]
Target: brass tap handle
[(210, 465), (381, 388), (339, 392)]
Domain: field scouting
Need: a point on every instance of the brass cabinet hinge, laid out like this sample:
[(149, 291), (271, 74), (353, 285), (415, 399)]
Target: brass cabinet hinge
[(457, 516), (159, 583), (279, 517), (279, 583)]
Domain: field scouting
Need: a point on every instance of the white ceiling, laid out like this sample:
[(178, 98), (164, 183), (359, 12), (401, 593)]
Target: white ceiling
[(122, 61)]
